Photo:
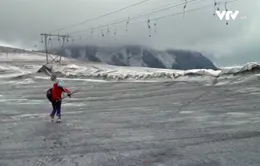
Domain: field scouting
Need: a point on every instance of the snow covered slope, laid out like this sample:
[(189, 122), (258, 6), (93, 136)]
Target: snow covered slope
[(112, 124), (26, 65)]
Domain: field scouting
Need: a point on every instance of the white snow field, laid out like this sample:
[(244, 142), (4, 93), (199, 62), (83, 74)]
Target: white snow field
[(128, 116)]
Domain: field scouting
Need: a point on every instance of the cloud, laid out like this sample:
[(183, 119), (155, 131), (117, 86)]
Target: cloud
[(23, 21)]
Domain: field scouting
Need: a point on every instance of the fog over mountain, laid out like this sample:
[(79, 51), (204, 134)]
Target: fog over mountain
[(236, 43), (138, 56)]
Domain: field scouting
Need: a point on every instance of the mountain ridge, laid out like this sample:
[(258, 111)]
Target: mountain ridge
[(139, 56), (131, 55)]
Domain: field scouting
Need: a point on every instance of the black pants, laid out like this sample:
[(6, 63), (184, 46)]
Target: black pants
[(56, 108)]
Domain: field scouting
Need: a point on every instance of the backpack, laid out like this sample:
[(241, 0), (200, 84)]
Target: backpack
[(49, 94)]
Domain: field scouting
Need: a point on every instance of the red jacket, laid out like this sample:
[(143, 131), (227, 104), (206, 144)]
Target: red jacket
[(57, 91)]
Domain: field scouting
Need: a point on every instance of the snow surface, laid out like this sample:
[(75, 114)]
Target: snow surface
[(76, 69), (127, 123), (21, 57)]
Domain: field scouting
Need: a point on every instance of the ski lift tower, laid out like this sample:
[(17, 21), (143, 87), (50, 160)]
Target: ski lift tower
[(53, 58)]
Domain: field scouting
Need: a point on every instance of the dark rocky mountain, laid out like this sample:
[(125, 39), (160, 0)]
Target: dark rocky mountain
[(139, 57), (132, 56)]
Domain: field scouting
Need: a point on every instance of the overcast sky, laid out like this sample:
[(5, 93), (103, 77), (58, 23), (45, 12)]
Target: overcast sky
[(22, 21)]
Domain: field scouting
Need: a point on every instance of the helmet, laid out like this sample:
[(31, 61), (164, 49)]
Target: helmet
[(61, 83)]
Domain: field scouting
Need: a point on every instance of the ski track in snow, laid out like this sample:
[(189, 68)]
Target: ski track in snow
[(131, 124)]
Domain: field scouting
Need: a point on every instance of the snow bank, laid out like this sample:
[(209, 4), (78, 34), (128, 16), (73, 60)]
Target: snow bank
[(117, 73), (21, 57), (241, 69), (126, 73), (75, 69)]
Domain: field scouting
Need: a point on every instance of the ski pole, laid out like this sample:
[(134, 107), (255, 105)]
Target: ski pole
[(77, 90)]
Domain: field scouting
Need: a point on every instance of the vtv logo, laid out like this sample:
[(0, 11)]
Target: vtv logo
[(227, 15)]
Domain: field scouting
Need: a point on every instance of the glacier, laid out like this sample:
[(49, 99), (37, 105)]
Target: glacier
[(27, 65)]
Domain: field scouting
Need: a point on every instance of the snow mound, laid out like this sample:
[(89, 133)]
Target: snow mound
[(26, 65), (117, 73), (126, 73), (241, 69)]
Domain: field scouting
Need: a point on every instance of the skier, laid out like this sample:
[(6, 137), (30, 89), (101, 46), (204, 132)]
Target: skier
[(54, 96)]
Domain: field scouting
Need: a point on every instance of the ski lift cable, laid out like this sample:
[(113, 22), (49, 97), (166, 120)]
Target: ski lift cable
[(149, 27), (139, 16), (161, 17), (226, 6), (184, 7), (156, 9), (215, 4), (138, 22), (103, 15), (179, 13), (155, 26), (226, 11), (127, 23), (191, 10)]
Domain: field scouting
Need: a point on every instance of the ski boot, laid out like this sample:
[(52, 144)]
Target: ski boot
[(58, 120), (52, 117)]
